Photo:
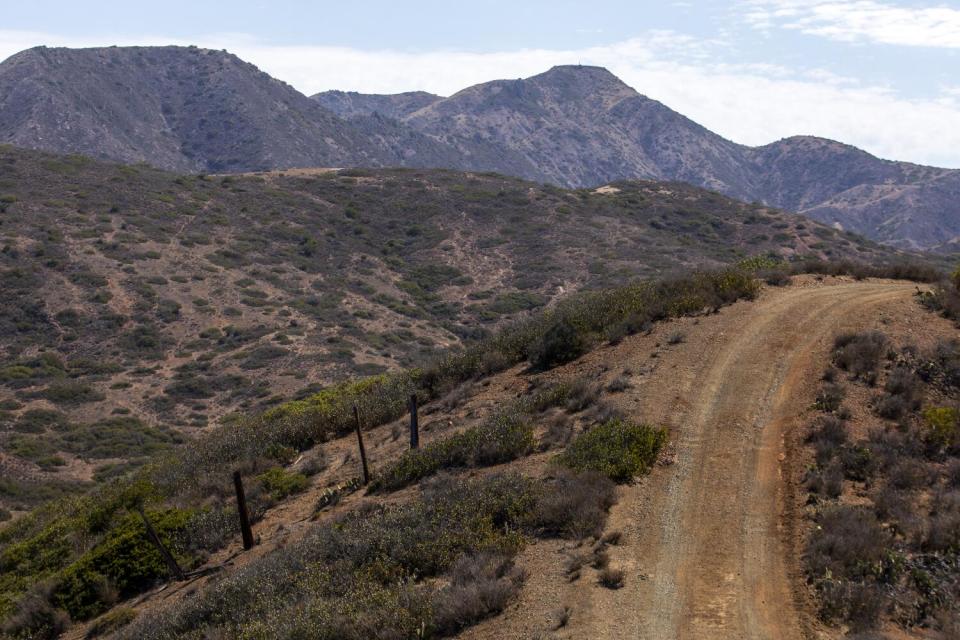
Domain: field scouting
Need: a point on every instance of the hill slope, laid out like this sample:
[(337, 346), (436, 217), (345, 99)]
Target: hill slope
[(190, 109), (732, 392), (137, 297), (583, 126)]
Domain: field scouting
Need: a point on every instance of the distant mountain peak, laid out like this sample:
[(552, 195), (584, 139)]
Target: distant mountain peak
[(192, 109), (583, 74), (578, 69)]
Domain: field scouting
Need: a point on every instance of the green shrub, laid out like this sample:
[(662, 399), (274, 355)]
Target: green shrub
[(480, 584), (942, 424), (574, 505), (617, 449), (38, 420), (560, 344), (896, 270), (125, 562), (261, 356), (280, 483), (35, 618), (70, 393), (111, 622), (355, 578), (505, 437)]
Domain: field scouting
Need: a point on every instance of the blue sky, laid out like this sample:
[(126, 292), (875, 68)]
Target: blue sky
[(881, 74)]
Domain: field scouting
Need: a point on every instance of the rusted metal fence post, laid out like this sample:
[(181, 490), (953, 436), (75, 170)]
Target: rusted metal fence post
[(242, 511), (363, 452), (414, 424), (155, 539)]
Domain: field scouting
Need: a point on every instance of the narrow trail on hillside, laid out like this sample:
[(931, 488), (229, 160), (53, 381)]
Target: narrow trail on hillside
[(711, 534)]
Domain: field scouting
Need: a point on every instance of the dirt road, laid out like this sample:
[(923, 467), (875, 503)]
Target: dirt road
[(708, 533)]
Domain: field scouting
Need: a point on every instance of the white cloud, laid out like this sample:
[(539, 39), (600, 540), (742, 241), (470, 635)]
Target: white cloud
[(751, 104), (860, 20)]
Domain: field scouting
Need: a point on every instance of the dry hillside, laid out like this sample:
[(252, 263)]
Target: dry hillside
[(706, 543), (143, 305)]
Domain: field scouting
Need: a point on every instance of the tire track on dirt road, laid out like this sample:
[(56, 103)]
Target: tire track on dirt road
[(712, 537)]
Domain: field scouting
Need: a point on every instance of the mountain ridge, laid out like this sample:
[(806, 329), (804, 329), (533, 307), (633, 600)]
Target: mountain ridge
[(631, 135), (202, 111)]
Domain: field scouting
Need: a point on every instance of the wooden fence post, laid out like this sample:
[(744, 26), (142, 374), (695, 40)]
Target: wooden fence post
[(414, 424), (155, 539), (363, 452), (244, 514)]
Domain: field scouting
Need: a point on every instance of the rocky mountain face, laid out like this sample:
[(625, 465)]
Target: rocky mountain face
[(348, 104), (195, 110), (582, 126), (184, 109), (897, 203)]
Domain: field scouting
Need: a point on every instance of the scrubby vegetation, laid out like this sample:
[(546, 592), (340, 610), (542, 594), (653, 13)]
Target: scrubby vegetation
[(894, 551), (280, 483), (617, 449), (860, 354), (506, 435), (110, 272), (364, 575), (896, 268), (503, 438), (282, 272), (198, 474), (945, 297)]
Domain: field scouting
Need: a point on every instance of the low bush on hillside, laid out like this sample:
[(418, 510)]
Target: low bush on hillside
[(35, 617), (849, 551), (611, 577), (902, 270), (121, 566), (505, 437), (480, 585), (617, 449), (185, 477), (583, 394), (111, 621), (942, 426), (70, 393), (362, 575), (860, 353), (560, 344), (828, 433), (110, 438), (893, 554), (574, 505), (280, 483), (903, 394), (829, 397)]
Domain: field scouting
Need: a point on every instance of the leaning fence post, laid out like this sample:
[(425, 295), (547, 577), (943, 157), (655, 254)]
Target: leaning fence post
[(363, 452), (155, 539), (242, 511), (414, 424)]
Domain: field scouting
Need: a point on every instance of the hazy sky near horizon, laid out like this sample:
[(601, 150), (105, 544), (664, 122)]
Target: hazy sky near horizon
[(883, 75)]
